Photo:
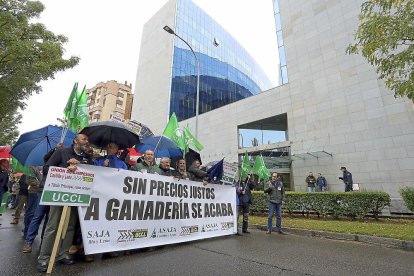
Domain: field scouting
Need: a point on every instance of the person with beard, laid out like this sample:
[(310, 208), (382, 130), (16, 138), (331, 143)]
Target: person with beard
[(65, 158)]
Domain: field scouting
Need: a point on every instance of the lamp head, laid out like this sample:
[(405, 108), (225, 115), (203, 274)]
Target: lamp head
[(168, 29)]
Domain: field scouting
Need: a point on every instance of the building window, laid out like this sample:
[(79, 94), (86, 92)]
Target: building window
[(280, 42)]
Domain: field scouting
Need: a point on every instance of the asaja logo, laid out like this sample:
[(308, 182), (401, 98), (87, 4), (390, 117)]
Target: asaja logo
[(188, 230), (132, 235), (209, 227), (164, 232), (227, 225)]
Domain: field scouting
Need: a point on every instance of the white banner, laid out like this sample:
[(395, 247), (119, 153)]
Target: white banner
[(229, 173), (130, 210), (65, 188)]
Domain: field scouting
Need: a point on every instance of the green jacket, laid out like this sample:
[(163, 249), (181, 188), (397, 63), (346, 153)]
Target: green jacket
[(276, 191), (142, 165)]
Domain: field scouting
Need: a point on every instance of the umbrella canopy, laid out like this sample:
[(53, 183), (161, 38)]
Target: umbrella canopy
[(32, 146), (142, 130), (102, 133), (160, 145)]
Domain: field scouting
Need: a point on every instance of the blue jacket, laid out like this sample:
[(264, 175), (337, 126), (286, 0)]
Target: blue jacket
[(247, 188), (321, 181), (114, 162)]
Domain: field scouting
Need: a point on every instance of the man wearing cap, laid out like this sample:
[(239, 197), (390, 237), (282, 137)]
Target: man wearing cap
[(347, 179)]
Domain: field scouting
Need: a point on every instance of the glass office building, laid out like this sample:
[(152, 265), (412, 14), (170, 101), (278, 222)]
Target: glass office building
[(227, 72)]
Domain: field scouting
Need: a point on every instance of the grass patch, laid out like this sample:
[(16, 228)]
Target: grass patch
[(388, 228)]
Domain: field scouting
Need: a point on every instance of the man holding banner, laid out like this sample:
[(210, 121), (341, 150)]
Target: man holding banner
[(64, 158)]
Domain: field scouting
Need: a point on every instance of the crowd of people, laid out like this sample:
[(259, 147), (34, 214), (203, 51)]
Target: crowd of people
[(31, 186)]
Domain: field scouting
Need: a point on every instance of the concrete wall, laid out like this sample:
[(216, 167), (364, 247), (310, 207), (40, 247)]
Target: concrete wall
[(334, 103), (156, 57)]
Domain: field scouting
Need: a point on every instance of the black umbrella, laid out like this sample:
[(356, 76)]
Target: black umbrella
[(102, 133)]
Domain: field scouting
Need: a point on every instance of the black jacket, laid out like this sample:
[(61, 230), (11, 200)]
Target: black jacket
[(4, 180), (60, 158), (347, 178), (23, 188), (247, 188), (197, 174)]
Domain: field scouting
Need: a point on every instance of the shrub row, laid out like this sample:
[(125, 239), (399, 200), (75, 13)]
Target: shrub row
[(407, 195), (353, 204)]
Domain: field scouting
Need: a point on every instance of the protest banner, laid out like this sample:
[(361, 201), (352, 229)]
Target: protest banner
[(130, 210), (64, 188), (229, 173)]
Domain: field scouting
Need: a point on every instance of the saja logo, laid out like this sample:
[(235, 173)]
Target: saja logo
[(188, 230), (98, 237), (98, 234)]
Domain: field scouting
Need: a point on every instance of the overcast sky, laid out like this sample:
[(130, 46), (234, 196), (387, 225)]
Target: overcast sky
[(106, 35)]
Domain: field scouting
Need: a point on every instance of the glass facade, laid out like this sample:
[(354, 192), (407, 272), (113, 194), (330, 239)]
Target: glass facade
[(227, 72), (280, 43)]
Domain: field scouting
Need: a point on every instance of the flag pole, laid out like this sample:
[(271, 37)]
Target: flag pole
[(156, 146)]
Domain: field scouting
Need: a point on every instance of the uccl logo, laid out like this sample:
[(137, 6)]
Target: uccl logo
[(131, 235), (227, 225), (188, 230)]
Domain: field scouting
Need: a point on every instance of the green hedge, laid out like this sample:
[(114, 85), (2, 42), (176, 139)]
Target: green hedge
[(407, 195), (354, 204)]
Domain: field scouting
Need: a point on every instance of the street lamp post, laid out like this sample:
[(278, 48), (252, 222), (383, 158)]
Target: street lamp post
[(169, 30)]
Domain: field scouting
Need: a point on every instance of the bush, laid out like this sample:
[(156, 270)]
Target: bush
[(407, 195), (353, 205)]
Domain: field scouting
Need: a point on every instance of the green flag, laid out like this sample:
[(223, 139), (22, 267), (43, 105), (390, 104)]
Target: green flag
[(189, 139), (18, 167), (245, 167), (82, 116), (172, 131), (69, 110), (259, 168), (76, 110)]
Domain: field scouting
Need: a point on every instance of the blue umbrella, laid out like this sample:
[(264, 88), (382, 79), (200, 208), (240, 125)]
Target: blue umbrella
[(33, 145), (160, 145)]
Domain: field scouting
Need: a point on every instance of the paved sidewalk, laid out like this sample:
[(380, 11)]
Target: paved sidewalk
[(251, 254)]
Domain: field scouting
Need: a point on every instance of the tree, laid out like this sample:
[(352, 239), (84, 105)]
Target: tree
[(8, 130), (29, 53), (385, 37)]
